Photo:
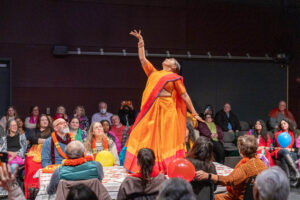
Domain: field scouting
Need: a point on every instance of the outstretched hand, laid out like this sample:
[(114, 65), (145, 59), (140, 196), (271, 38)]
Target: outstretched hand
[(137, 34), (199, 118), (7, 178)]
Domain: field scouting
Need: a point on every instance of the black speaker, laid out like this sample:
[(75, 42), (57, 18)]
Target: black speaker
[(60, 50)]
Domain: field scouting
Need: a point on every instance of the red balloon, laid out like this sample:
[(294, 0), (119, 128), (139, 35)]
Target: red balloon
[(181, 168)]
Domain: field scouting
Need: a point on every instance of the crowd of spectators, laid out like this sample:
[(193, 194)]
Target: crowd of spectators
[(42, 140)]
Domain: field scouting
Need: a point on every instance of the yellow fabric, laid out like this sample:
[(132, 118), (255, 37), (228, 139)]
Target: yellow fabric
[(36, 151), (191, 146)]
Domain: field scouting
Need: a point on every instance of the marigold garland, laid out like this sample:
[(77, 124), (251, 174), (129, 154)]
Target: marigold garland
[(76, 161), (94, 149), (57, 146)]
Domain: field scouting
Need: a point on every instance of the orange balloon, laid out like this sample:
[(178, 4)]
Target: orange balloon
[(181, 168)]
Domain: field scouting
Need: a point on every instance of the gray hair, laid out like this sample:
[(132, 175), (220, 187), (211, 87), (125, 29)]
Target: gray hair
[(177, 65), (75, 149), (176, 189), (273, 184)]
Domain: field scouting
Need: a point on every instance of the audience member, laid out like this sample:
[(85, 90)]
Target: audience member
[(271, 184), (127, 113), (278, 114), (61, 113), (264, 142), (176, 189), (227, 120), (117, 127), (2, 132), (30, 122), (9, 183), (191, 119), (98, 141), (189, 137), (14, 144), (212, 131), (10, 113), (84, 123), (201, 155), (286, 155), (53, 151), (146, 184), (237, 180), (75, 167), (21, 126), (81, 192), (107, 130), (36, 139), (103, 114), (208, 109), (79, 134)]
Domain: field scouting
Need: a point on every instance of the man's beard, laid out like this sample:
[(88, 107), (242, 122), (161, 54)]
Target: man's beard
[(64, 130)]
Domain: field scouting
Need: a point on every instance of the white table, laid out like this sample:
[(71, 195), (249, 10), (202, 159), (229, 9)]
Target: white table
[(113, 177)]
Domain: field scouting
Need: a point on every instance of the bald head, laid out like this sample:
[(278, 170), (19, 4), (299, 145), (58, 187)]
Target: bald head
[(75, 149)]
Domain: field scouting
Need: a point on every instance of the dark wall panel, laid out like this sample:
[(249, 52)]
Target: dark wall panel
[(30, 29), (253, 89)]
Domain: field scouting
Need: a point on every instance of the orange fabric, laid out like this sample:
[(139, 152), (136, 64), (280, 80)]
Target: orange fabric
[(170, 86), (160, 125)]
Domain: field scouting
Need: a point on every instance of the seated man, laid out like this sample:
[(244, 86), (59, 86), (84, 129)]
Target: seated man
[(103, 114), (278, 114), (75, 167), (53, 151), (227, 120), (271, 184)]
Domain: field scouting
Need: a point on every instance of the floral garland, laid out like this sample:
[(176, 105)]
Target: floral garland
[(57, 146), (76, 161), (105, 145)]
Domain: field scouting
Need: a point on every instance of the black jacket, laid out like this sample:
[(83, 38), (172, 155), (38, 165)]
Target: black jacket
[(222, 120)]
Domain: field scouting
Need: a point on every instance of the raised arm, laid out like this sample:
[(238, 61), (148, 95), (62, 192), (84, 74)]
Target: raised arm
[(141, 48)]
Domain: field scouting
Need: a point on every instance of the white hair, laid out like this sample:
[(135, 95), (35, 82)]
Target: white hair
[(273, 184), (74, 149)]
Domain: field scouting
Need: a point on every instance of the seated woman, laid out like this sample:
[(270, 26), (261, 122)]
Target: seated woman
[(237, 180), (286, 155), (36, 138), (208, 109), (61, 113), (30, 122), (110, 134), (14, 144), (264, 142), (117, 127), (201, 155), (97, 141), (21, 126), (189, 137), (10, 113), (79, 134), (212, 131), (84, 123), (147, 183)]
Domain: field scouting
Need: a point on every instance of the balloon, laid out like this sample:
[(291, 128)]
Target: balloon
[(105, 158), (284, 139), (181, 168)]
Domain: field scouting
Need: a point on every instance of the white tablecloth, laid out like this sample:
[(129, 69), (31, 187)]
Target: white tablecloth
[(113, 177)]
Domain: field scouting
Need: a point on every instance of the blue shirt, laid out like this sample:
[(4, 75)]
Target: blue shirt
[(46, 152), (98, 117)]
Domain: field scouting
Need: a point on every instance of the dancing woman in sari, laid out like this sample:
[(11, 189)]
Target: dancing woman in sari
[(161, 122)]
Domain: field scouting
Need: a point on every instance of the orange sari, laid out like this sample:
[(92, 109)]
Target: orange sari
[(161, 123)]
